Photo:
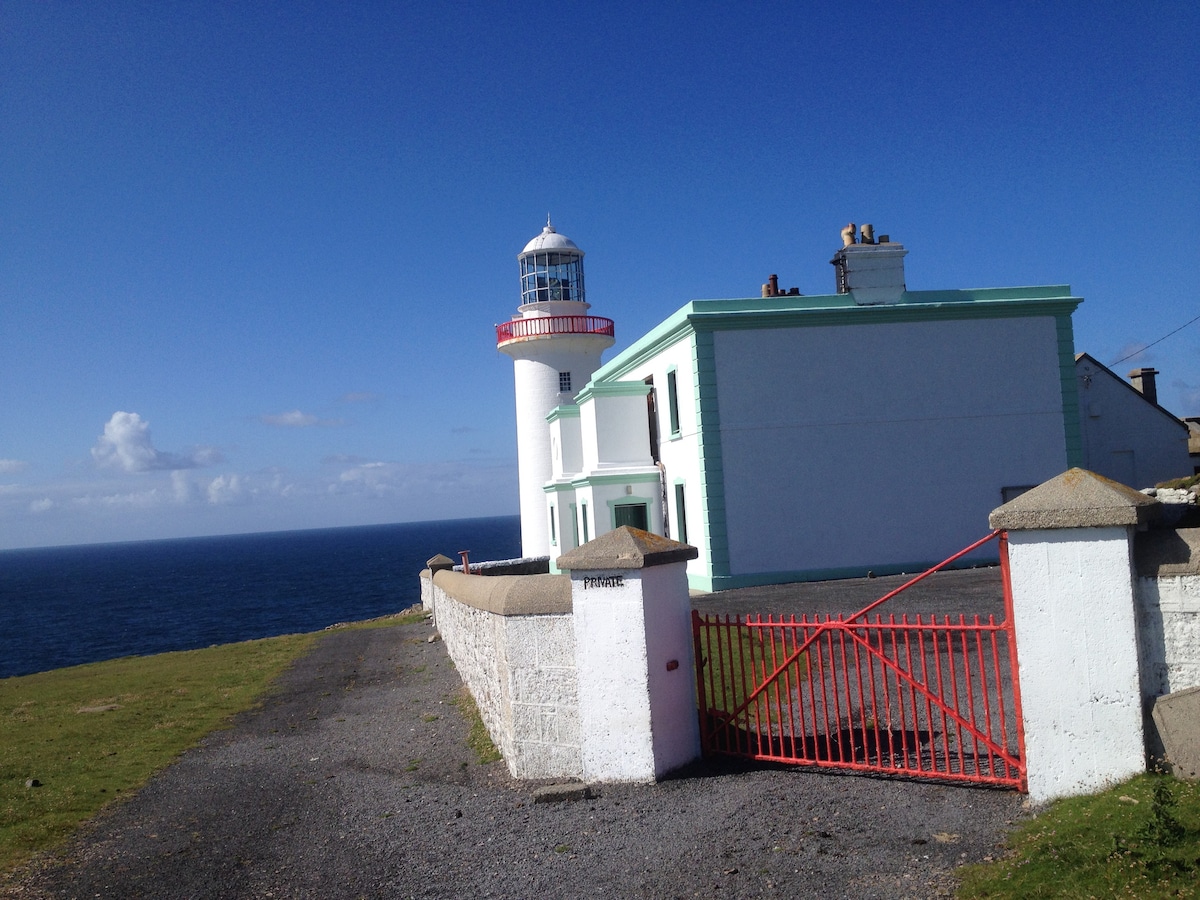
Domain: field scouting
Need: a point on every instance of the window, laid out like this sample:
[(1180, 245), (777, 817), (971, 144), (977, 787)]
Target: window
[(680, 514), (553, 533), (583, 508), (564, 381), (574, 526), (673, 402), (631, 514)]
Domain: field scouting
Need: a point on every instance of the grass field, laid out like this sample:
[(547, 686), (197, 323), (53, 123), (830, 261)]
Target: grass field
[(74, 740), (1141, 839)]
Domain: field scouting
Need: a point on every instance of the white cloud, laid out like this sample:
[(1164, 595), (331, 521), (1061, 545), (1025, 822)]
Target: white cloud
[(184, 490), (12, 466), (41, 506), (1132, 352), (226, 490), (297, 419), (126, 445)]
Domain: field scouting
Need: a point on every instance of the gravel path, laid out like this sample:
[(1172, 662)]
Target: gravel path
[(354, 780)]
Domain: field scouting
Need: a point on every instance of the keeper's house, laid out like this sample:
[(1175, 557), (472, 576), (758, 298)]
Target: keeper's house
[(795, 437)]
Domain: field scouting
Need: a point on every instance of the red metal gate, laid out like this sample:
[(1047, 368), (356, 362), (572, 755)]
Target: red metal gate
[(920, 698)]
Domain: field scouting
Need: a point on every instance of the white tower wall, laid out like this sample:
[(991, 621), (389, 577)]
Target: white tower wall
[(535, 375), (551, 334)]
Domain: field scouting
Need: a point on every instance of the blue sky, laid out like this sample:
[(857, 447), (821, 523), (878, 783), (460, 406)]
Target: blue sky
[(251, 254)]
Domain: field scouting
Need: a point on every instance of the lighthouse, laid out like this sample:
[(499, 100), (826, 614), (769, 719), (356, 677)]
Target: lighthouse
[(555, 346)]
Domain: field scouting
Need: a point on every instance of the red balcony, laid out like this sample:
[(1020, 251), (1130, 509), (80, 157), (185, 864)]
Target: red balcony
[(546, 326)]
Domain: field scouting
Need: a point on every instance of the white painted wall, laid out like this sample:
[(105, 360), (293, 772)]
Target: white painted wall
[(1124, 437), (821, 428), (638, 719), (1073, 612), (615, 432), (566, 447), (681, 455), (536, 365)]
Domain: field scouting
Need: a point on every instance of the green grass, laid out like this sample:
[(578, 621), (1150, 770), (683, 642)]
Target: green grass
[(1190, 481), (92, 734), (749, 657), (478, 738), (1141, 839)]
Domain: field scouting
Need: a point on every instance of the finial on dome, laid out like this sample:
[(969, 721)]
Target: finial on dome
[(549, 229)]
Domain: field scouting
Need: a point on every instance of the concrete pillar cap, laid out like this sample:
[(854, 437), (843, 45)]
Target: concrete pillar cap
[(1076, 499), (441, 561), (626, 548)]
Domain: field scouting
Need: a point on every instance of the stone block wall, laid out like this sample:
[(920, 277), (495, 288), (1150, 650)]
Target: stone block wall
[(511, 638), (1168, 609)]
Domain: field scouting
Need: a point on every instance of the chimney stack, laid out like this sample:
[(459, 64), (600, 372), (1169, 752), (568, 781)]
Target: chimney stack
[(871, 272), (1143, 381)]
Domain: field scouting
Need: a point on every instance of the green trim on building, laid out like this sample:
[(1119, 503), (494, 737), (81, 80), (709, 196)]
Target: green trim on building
[(1070, 390), (714, 530), (566, 411), (673, 418), (698, 321), (558, 487), (597, 480), (612, 389), (837, 309)]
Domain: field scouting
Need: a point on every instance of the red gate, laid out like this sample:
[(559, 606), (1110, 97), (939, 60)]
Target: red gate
[(920, 698)]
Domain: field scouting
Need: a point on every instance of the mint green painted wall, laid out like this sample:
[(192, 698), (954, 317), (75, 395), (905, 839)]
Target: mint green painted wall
[(712, 476), (1070, 390)]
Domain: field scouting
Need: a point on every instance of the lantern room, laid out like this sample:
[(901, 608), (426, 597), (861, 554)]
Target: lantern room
[(551, 269)]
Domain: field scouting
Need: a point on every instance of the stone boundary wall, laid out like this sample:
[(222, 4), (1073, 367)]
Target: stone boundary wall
[(528, 565), (1168, 609), (512, 640)]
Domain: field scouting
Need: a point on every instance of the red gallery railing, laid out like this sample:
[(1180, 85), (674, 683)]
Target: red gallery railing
[(544, 326)]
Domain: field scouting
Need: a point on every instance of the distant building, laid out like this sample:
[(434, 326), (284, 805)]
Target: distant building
[(1126, 435), (796, 438)]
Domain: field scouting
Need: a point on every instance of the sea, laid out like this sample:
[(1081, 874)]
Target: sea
[(64, 606)]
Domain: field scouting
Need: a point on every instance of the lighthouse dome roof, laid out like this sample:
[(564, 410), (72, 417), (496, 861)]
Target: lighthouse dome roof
[(550, 239)]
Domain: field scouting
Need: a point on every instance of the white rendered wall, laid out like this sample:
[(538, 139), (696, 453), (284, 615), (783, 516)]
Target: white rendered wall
[(625, 635), (1124, 437), (615, 432), (821, 428), (567, 447), (680, 455), (536, 365), (1073, 612), (1169, 627)]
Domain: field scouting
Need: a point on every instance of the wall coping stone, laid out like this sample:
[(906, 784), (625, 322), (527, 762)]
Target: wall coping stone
[(1163, 552), (626, 548), (1076, 499), (508, 595)]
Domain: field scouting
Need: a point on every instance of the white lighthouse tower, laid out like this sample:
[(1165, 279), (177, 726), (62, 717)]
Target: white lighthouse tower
[(555, 346)]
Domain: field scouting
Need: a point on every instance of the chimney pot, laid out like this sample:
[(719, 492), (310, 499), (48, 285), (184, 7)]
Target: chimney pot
[(1143, 381)]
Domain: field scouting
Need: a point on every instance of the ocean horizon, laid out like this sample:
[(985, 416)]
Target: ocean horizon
[(81, 603)]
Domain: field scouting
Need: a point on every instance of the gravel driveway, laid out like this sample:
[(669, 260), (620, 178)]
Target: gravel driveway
[(354, 780)]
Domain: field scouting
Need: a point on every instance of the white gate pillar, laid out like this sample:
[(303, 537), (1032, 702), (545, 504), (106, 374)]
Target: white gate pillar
[(633, 655), (1070, 551)]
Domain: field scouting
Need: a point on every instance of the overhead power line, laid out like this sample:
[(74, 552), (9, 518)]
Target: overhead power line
[(1152, 343)]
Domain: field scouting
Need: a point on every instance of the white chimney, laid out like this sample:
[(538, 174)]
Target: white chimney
[(872, 273)]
